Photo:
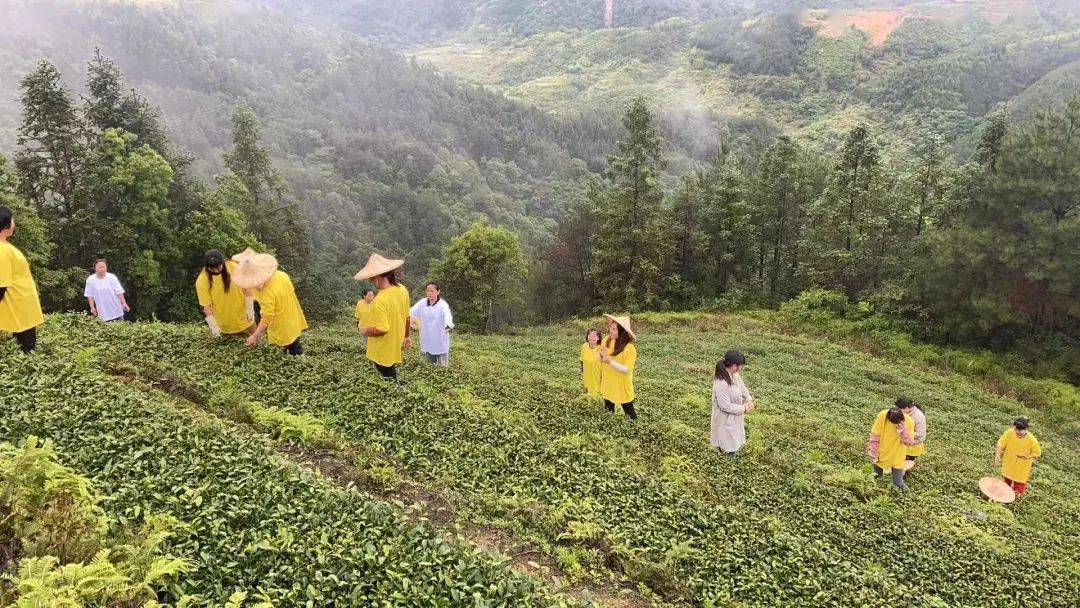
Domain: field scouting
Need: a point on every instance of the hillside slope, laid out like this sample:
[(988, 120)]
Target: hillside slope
[(504, 437)]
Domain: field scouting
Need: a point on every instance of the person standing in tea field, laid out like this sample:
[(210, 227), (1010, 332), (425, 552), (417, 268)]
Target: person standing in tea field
[(20, 308), (892, 432), (618, 356), (105, 294), (910, 408), (282, 319), (363, 314), (436, 321), (388, 333), (225, 307), (730, 403), (1016, 452), (590, 362)]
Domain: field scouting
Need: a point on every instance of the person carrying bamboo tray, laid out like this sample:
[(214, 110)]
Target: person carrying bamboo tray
[(282, 319), (618, 356), (226, 309), (388, 333), (20, 308), (1016, 452), (892, 432), (730, 403), (590, 362)]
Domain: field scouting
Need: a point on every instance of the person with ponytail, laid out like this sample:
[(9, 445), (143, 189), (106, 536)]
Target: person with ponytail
[(618, 356), (226, 309), (730, 403), (892, 433), (20, 308)]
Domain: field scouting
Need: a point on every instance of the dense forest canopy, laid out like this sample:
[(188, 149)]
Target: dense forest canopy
[(915, 156)]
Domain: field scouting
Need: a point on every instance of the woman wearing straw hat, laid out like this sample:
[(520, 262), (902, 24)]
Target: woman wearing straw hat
[(224, 305), (618, 356), (436, 321), (20, 308), (282, 318), (1016, 452), (388, 333), (730, 402), (892, 432)]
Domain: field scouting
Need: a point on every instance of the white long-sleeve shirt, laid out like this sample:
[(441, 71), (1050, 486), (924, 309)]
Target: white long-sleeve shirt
[(436, 321)]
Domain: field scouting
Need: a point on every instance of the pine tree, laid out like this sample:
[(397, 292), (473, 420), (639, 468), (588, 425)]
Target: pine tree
[(629, 246), (273, 218)]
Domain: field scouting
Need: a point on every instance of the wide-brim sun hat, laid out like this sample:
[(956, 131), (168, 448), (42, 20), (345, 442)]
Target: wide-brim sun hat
[(997, 490), (623, 322), (377, 265), (253, 268)]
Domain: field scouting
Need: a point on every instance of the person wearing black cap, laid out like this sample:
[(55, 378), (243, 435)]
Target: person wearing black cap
[(20, 308), (730, 403), (1016, 452), (224, 305)]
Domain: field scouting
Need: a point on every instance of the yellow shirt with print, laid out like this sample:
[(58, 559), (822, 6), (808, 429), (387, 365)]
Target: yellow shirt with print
[(364, 312), (590, 368), (389, 311), (230, 310), (616, 386), (279, 305), (1013, 447), (891, 449), (20, 309)]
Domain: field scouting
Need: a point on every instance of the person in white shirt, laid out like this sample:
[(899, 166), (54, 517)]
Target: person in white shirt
[(436, 321), (104, 294)]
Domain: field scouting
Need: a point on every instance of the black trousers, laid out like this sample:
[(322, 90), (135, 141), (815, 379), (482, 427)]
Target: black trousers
[(27, 340), (295, 348), (388, 372), (627, 407)]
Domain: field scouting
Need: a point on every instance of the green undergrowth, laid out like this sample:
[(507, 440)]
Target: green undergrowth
[(798, 519), (58, 548), (253, 526)]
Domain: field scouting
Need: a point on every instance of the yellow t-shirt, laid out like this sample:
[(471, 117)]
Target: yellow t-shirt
[(590, 368), (389, 311), (891, 450), (1013, 467), (278, 304), (20, 309), (615, 386), (229, 307), (364, 312)]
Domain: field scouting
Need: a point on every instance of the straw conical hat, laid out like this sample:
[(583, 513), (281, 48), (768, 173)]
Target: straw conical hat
[(253, 269), (997, 490), (624, 322), (377, 265)]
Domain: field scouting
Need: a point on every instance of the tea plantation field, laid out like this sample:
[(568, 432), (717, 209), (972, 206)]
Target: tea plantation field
[(310, 482)]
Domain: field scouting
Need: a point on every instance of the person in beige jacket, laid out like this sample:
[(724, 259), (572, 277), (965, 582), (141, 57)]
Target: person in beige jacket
[(730, 402)]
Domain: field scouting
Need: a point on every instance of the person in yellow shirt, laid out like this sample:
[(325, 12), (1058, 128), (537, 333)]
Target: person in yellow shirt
[(226, 309), (363, 313), (20, 308), (388, 332), (1017, 450), (590, 362), (892, 432), (618, 356), (282, 319)]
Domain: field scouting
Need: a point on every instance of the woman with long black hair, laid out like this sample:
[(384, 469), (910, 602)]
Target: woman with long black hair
[(730, 403), (618, 356), (20, 308), (226, 309)]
